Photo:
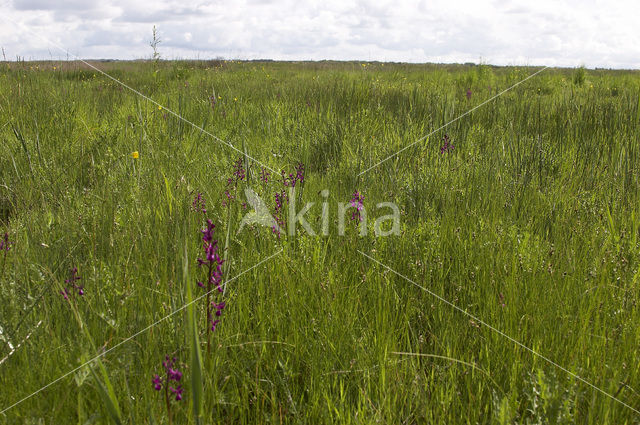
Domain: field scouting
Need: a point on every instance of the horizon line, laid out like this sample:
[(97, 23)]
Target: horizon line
[(338, 61)]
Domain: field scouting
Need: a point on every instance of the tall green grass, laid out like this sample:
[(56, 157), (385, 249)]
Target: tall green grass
[(536, 208)]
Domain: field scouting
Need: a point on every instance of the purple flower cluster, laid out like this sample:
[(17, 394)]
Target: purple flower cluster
[(280, 197), (5, 244), (218, 308), (300, 172), (171, 374), (213, 261), (447, 147), (468, 94), (238, 169), (211, 258), (264, 175), (71, 286), (239, 174), (291, 179), (357, 200), (229, 196), (199, 204)]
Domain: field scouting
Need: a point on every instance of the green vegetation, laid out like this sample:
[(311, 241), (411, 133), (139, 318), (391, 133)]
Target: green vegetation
[(530, 223)]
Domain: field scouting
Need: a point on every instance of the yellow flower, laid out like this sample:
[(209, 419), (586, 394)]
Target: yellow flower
[(135, 155), (159, 108), (235, 99)]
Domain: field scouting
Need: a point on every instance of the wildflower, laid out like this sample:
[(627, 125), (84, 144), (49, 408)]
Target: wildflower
[(5, 244), (264, 175), (290, 179), (357, 200), (159, 108), (219, 308), (70, 285), (135, 155), (175, 375), (468, 94), (177, 391), (447, 145), (171, 374), (213, 261), (214, 324), (199, 204), (300, 172), (238, 170), (229, 195), (239, 174), (280, 198), (287, 180), (65, 293), (157, 382)]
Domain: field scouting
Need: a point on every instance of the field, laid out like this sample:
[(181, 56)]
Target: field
[(509, 293)]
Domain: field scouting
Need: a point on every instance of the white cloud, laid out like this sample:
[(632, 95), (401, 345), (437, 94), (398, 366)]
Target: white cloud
[(590, 32)]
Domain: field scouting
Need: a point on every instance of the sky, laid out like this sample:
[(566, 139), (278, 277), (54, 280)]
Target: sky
[(554, 33)]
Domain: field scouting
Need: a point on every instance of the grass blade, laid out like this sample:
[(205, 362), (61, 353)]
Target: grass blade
[(194, 343), (107, 393)]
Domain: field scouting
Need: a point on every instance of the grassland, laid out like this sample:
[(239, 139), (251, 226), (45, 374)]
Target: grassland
[(530, 224)]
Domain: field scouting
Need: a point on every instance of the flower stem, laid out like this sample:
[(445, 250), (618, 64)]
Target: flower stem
[(166, 398), (209, 285)]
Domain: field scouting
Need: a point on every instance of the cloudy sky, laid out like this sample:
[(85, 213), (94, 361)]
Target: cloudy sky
[(540, 32)]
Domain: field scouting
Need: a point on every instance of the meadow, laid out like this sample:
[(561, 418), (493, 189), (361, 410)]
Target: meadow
[(528, 221)]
